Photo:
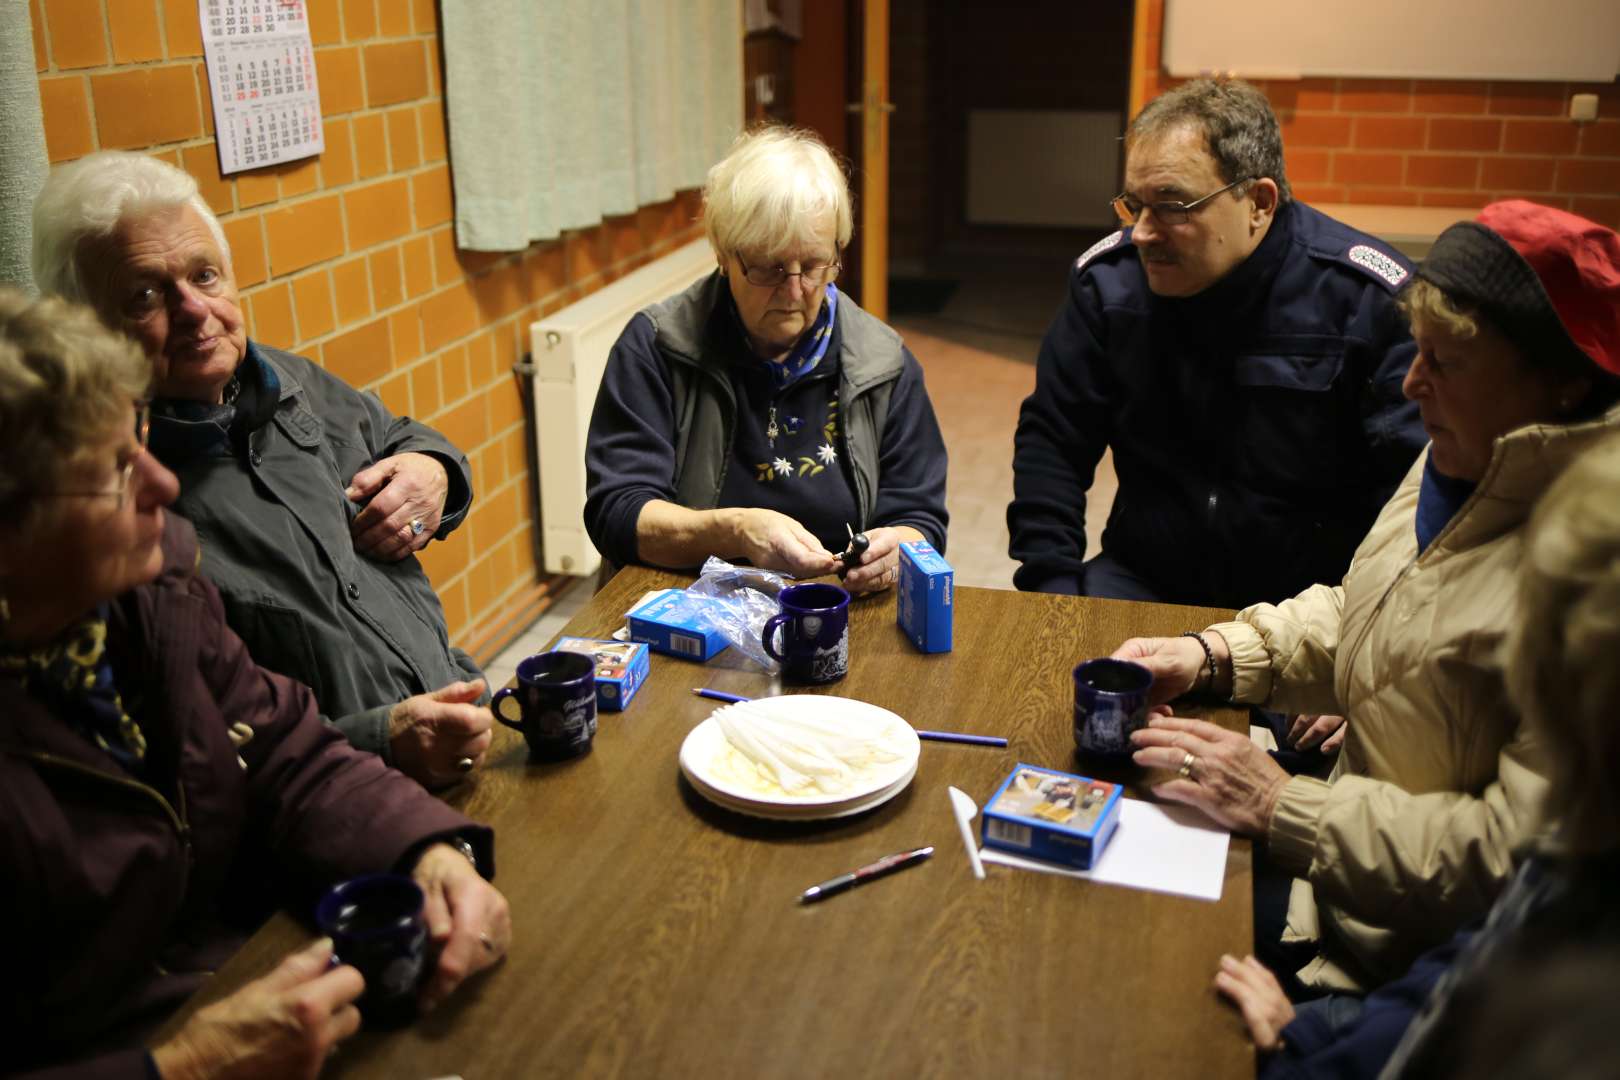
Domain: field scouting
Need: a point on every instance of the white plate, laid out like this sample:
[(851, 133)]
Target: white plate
[(705, 742)]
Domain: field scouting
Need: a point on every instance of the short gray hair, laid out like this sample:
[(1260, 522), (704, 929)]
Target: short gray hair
[(1560, 656), (65, 380), (86, 199), (1238, 125), (772, 189)]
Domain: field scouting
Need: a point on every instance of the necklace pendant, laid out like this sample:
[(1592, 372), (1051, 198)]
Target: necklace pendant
[(771, 430)]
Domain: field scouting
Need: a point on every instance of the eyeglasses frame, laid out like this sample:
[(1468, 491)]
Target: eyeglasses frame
[(143, 433), (822, 273), (1167, 213)]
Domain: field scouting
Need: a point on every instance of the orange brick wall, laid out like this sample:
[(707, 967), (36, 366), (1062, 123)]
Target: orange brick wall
[(350, 258), (1419, 142)]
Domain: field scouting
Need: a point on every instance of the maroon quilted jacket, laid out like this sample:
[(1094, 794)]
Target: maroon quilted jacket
[(119, 895)]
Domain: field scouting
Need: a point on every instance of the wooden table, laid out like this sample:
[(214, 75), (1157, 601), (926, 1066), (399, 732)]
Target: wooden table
[(657, 935)]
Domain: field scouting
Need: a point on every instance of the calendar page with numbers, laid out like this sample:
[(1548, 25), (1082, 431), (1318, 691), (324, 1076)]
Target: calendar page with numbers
[(261, 72)]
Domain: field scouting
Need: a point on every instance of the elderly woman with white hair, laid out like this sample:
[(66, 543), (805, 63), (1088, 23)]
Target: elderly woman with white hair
[(761, 415), (310, 497)]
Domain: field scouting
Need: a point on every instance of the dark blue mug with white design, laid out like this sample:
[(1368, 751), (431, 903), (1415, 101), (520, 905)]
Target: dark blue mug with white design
[(1110, 702), (814, 628), (377, 926), (556, 698)]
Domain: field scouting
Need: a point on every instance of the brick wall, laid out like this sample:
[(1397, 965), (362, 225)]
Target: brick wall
[(1419, 142), (350, 258)]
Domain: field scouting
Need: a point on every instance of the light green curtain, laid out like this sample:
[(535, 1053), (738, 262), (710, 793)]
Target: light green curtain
[(22, 145), (562, 112)]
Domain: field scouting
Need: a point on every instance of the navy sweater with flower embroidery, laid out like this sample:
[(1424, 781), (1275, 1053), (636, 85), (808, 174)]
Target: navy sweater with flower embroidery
[(801, 471)]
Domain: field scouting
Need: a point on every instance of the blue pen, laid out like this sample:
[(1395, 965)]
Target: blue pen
[(716, 694), (935, 736)]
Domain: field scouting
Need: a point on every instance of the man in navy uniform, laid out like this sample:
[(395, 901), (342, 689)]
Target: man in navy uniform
[(1240, 352)]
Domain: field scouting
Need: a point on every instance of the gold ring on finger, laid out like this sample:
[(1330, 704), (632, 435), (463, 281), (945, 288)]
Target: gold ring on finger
[(1187, 763)]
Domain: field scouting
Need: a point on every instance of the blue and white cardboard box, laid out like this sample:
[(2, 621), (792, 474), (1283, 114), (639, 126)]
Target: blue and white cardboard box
[(621, 668), (1051, 815), (923, 608), (671, 622)]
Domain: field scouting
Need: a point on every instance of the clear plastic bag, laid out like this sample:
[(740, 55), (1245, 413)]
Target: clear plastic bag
[(736, 601)]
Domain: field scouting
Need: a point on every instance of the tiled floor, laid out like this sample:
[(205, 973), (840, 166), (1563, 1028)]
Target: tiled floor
[(978, 358)]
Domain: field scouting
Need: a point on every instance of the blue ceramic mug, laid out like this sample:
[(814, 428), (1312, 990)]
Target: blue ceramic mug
[(376, 925), (814, 627), (556, 696), (1110, 702)]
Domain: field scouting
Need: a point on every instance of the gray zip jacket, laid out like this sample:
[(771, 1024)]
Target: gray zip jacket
[(274, 532), (665, 422)]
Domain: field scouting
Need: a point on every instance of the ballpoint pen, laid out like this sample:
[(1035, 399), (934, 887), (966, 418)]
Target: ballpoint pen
[(935, 736), (886, 865)]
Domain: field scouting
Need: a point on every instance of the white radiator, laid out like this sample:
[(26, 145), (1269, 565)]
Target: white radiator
[(570, 351), (1042, 167)]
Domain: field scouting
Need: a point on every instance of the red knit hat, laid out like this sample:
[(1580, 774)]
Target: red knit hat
[(1538, 273), (1578, 262)]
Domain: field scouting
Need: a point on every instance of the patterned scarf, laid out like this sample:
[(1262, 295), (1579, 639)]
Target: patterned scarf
[(811, 347), (72, 678)]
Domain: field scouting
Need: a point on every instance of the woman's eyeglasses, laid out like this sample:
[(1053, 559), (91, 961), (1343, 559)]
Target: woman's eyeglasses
[(771, 277), (143, 431), (1129, 208)]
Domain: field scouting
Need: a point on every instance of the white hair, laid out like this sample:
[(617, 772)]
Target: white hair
[(776, 187), (86, 199), (1560, 654)]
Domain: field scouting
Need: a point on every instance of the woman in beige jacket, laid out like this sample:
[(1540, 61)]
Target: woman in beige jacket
[(1517, 320)]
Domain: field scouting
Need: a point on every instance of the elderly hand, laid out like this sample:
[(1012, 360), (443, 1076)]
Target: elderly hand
[(879, 568), (401, 489), (431, 733), (1259, 997), (1177, 663), (283, 1025), (468, 920), (775, 541), (1324, 732), (1230, 779)]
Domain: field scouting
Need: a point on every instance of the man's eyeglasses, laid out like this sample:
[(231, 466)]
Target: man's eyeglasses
[(143, 431), (1129, 208), (771, 277)]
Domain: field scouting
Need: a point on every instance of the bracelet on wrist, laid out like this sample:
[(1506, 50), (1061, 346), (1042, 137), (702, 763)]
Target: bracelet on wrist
[(1209, 659)]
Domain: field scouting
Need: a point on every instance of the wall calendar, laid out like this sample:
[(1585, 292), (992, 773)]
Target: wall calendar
[(261, 77)]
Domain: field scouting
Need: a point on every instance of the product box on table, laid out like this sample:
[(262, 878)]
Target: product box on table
[(671, 622), (1053, 815), (621, 668), (923, 607)]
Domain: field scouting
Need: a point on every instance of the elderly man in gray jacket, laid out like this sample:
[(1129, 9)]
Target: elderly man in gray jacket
[(310, 498)]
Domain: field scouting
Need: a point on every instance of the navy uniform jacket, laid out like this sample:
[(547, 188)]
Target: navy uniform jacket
[(1257, 427)]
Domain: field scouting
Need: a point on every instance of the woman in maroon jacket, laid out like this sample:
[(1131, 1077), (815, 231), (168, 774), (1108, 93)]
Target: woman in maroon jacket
[(156, 786)]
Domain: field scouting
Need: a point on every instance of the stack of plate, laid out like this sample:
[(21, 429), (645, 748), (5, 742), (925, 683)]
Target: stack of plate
[(705, 745)]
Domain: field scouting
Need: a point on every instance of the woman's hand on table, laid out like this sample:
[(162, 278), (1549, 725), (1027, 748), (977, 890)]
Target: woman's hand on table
[(431, 734), (1177, 663), (1259, 997), (283, 1025), (879, 568), (1325, 733), (777, 542), (1223, 773), (468, 920)]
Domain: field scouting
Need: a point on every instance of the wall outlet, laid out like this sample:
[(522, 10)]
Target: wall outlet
[(1583, 107)]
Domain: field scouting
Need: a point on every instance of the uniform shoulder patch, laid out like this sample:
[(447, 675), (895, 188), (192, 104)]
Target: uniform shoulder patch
[(1109, 241), (1378, 263)]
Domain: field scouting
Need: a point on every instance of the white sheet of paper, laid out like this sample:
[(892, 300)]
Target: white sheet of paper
[(1160, 848), (261, 82)]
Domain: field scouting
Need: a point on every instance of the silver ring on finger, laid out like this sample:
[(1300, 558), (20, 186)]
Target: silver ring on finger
[(1187, 763), (417, 526), (464, 764)]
